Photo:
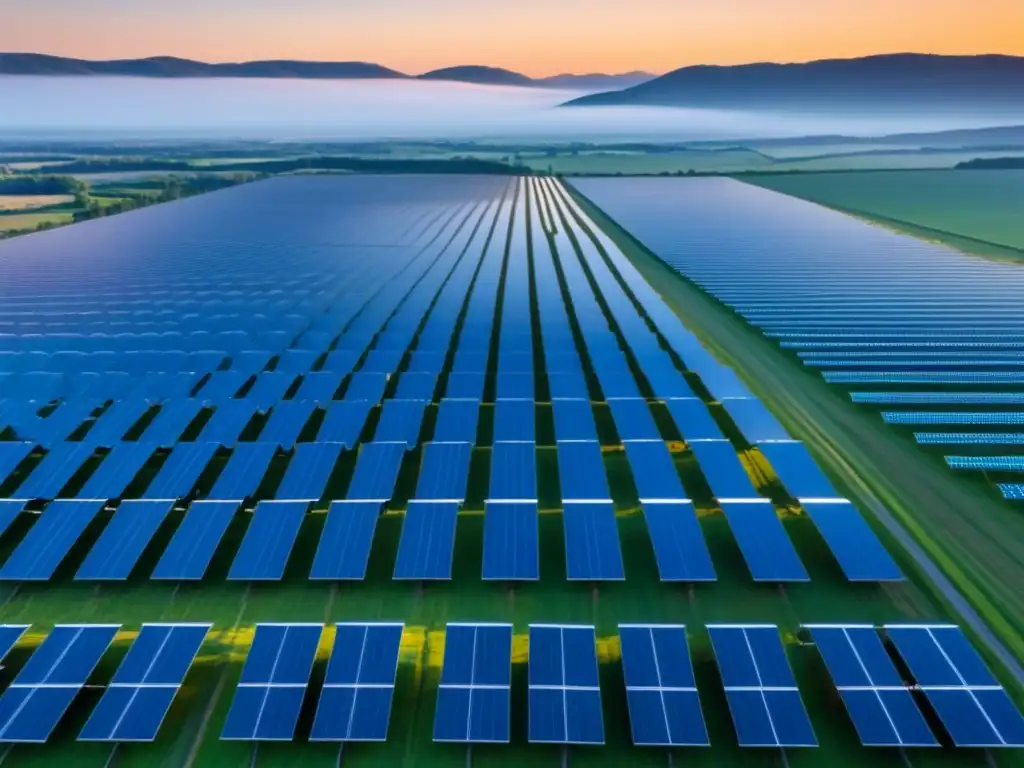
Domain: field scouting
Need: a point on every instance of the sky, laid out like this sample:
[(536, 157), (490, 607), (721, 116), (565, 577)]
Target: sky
[(536, 37)]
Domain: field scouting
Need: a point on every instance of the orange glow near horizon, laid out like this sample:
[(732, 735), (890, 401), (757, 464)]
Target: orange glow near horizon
[(535, 37)]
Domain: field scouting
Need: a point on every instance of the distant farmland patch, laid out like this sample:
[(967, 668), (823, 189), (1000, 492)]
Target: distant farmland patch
[(32, 202), (980, 205)]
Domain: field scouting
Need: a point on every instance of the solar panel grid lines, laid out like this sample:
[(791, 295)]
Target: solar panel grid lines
[(10, 634), (123, 541), (355, 701), (563, 687), (474, 693), (48, 541), (973, 707), (267, 546), (659, 676), (191, 549)]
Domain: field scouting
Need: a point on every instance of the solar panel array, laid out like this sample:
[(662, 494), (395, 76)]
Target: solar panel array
[(247, 396), (894, 320), (474, 699)]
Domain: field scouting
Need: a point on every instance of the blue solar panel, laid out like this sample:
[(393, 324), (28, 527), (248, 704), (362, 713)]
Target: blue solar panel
[(427, 544), (426, 361), (286, 422), (693, 420), (366, 386), (754, 420), (444, 474), (798, 471), (664, 708), (344, 422), (986, 463), (172, 420), (320, 386), (250, 360), (228, 421), (514, 420), (117, 471), (762, 539), (574, 420), (123, 541), (193, 545), (221, 386), (633, 420), (723, 470), (46, 686), (615, 379), (763, 698), (55, 471), (722, 382), (400, 422), (9, 511), (60, 424), (515, 386), (376, 472), (923, 377), (465, 384), (881, 706), (457, 421), (341, 361), (355, 703), (973, 707), (564, 694), (938, 398), (511, 541), (1012, 491), (969, 438), (654, 471), (592, 551), (297, 360), (474, 695), (944, 417), (270, 387), (49, 540), (679, 546), (10, 634), (857, 549), (137, 700), (244, 471), (566, 385), (513, 472), (273, 685), (115, 422), (581, 471), (344, 548), (309, 471), (11, 455), (263, 553), (181, 470), (416, 386)]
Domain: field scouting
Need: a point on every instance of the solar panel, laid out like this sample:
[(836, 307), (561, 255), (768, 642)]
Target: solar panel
[(665, 380), (344, 548), (228, 421), (763, 698), (678, 542), (55, 471), (10, 634), (250, 360), (513, 472), (615, 378), (969, 438), (344, 422), (9, 511), (581, 471), (263, 553), (221, 386), (49, 540), (515, 385), (973, 707), (465, 384), (723, 470), (722, 382), (881, 706), (400, 422), (114, 423), (592, 551), (270, 388), (1012, 491), (984, 463), (414, 385), (376, 472), (46, 686), (134, 705), (309, 471), (123, 541), (693, 419), (762, 539), (798, 471), (938, 398), (444, 474), (117, 471), (564, 693), (457, 421), (568, 385), (172, 420), (754, 420), (244, 472), (946, 417), (474, 695), (426, 361), (341, 361), (286, 422), (319, 386), (664, 708), (366, 385), (633, 420), (11, 455), (181, 470), (859, 552), (193, 545), (355, 703), (511, 541), (923, 377), (273, 684), (297, 360), (654, 471), (514, 421), (574, 420), (427, 545)]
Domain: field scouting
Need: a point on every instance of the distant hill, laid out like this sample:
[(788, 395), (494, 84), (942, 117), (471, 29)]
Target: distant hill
[(171, 67), (992, 164), (891, 83)]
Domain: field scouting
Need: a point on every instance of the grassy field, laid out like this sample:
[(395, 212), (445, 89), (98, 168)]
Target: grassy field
[(640, 162), (29, 202), (13, 222), (979, 205)]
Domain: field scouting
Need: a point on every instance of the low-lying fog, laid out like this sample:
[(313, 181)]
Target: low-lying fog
[(361, 109)]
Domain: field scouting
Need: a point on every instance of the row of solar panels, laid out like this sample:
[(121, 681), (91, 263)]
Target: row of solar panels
[(564, 692)]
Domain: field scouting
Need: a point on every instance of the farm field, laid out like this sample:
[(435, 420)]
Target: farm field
[(977, 205), (350, 331), (28, 202), (14, 222)]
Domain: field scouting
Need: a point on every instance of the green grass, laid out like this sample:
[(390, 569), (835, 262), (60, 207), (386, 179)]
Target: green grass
[(979, 205), (648, 163), (20, 221)]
